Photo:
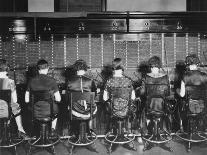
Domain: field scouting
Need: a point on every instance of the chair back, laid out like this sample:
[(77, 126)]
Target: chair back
[(156, 98), (81, 105), (120, 101), (5, 104), (196, 98), (42, 104)]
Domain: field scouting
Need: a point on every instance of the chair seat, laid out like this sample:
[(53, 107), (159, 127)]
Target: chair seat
[(44, 120), (189, 114), (156, 113), (119, 118), (82, 116), (4, 118)]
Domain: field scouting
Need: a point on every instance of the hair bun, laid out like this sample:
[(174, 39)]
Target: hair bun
[(3, 65), (192, 59), (80, 65)]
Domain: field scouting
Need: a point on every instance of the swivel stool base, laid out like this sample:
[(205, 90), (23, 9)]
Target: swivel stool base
[(83, 139), (7, 141), (119, 136), (158, 137), (44, 141), (193, 135)]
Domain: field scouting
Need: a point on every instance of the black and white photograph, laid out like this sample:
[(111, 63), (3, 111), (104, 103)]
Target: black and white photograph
[(103, 77)]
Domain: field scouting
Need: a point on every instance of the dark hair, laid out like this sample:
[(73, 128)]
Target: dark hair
[(192, 59), (80, 65), (155, 62), (42, 64), (117, 64), (3, 65)]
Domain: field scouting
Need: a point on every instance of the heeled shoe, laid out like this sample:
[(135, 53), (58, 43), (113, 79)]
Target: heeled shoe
[(130, 146), (53, 132), (92, 132), (92, 147), (23, 135)]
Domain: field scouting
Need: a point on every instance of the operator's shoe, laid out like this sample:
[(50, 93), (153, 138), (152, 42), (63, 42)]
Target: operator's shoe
[(53, 133), (92, 147), (23, 135), (130, 146)]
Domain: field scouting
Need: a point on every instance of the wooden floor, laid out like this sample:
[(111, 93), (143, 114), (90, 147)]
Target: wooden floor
[(177, 146)]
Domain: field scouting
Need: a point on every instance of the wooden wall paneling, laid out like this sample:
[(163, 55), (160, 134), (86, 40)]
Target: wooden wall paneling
[(80, 25), (81, 5), (21, 6), (149, 25), (198, 5), (84, 5), (14, 6), (6, 6), (106, 25), (63, 5)]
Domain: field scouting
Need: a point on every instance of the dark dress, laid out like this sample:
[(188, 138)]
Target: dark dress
[(88, 85), (156, 88), (198, 79), (120, 105), (154, 93), (80, 84), (44, 82), (195, 85), (7, 83)]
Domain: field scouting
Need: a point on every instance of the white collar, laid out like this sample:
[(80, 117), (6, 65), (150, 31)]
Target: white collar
[(3, 75)]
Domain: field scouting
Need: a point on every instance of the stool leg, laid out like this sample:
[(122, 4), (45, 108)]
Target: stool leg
[(156, 137), (110, 148), (44, 133), (15, 150), (191, 124), (51, 150), (71, 150), (30, 150), (119, 127)]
